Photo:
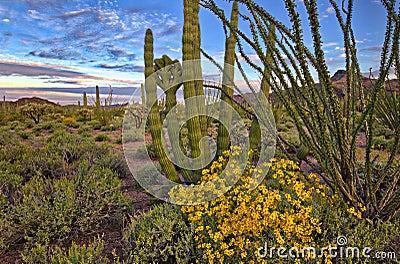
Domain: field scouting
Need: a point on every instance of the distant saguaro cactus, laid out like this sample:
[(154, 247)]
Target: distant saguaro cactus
[(154, 114), (4, 104), (97, 97), (84, 99), (143, 94)]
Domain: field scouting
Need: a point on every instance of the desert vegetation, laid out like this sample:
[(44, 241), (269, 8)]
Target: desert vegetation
[(68, 194)]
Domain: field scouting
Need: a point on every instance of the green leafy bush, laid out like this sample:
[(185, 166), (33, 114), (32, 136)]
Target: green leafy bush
[(95, 124), (148, 173), (84, 254), (161, 236), (85, 130), (116, 163), (101, 137), (132, 135), (141, 152), (63, 209)]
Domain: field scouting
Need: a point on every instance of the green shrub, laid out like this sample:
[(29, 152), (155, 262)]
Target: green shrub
[(9, 183), (141, 152), (29, 123), (147, 173), (381, 142), (47, 125), (118, 140), (161, 236), (132, 135), (24, 135), (116, 163), (95, 124), (64, 209), (101, 137), (85, 254), (13, 124), (85, 129)]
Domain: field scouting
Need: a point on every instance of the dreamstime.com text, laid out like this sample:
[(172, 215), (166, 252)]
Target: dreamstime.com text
[(339, 251)]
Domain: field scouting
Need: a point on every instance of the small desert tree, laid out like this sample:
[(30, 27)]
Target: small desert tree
[(34, 111)]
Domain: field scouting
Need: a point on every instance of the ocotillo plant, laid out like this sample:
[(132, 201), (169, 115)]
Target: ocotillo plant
[(255, 131), (154, 120), (84, 99), (197, 126), (328, 127), (227, 84)]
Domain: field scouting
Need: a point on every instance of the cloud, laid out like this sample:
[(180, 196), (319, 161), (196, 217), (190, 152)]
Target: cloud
[(74, 82), (330, 10), (330, 44), (372, 48), (61, 74), (6, 20), (32, 70), (173, 49), (123, 68)]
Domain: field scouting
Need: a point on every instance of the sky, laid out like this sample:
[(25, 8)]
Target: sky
[(48, 47)]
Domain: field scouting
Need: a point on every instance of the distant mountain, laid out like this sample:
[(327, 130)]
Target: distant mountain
[(24, 101), (340, 76)]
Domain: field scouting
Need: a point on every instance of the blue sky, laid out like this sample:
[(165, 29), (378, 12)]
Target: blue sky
[(83, 43)]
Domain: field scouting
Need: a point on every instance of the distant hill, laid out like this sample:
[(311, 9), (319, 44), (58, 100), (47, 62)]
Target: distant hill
[(37, 100), (24, 101)]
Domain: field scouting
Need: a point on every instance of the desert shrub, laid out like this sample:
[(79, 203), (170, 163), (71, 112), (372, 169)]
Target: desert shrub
[(9, 183), (85, 130), (84, 254), (101, 137), (160, 236), (147, 173), (381, 142), (63, 209), (280, 212), (119, 140), (132, 135), (24, 135), (109, 127), (69, 121), (116, 163), (95, 124), (13, 124), (141, 152), (151, 150), (29, 123), (47, 125)]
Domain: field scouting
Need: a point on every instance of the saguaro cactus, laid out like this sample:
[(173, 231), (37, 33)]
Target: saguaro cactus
[(197, 126), (84, 99), (169, 78), (143, 94), (227, 84), (97, 98), (4, 104), (154, 115)]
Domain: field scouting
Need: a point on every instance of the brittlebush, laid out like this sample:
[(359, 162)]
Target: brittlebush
[(281, 212)]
